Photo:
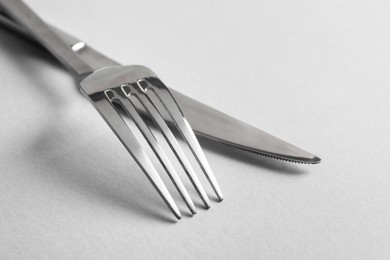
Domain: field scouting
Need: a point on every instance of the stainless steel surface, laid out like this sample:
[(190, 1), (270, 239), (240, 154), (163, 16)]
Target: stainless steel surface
[(168, 101), (179, 153), (125, 101), (205, 121), (104, 87)]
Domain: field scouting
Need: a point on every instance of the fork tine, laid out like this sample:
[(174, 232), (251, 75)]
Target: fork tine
[(119, 96), (131, 144), (169, 103), (172, 142)]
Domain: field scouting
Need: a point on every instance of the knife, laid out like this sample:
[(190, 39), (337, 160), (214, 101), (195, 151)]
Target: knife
[(206, 121)]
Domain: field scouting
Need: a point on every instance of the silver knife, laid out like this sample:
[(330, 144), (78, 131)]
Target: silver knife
[(206, 121)]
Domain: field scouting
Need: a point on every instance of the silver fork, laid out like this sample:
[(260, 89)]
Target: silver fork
[(109, 87)]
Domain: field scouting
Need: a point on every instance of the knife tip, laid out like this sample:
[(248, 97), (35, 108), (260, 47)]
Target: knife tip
[(315, 160)]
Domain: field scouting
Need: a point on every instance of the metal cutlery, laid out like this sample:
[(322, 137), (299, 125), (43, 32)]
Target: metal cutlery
[(110, 87), (206, 122)]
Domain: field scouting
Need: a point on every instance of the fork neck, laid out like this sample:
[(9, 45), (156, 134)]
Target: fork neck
[(22, 14)]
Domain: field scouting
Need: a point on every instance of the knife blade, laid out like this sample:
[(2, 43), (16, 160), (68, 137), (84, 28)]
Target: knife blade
[(206, 121)]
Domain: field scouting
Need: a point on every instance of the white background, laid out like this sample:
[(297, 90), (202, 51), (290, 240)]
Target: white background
[(314, 73)]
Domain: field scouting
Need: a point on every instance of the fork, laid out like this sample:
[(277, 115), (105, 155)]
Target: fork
[(115, 88)]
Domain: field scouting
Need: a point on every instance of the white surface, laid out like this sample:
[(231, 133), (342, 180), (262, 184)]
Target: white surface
[(315, 73)]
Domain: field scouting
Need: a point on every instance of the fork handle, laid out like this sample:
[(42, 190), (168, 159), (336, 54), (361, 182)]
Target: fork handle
[(21, 13)]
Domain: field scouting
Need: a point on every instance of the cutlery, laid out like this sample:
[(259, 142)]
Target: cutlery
[(205, 121)]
